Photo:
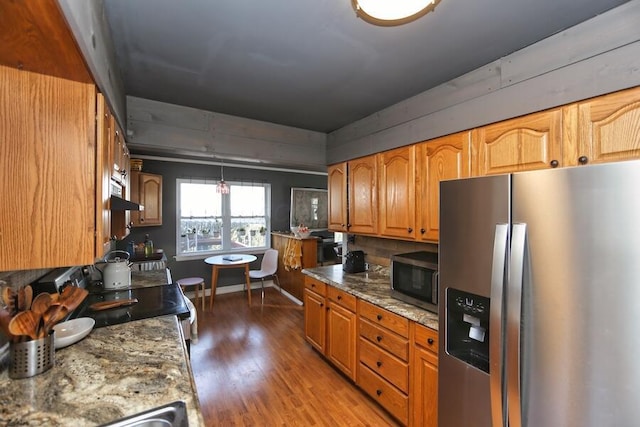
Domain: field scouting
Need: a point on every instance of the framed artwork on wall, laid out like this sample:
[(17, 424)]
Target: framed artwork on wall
[(309, 207)]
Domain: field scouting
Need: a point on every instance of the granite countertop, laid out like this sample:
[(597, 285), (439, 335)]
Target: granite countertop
[(114, 372), (372, 286)]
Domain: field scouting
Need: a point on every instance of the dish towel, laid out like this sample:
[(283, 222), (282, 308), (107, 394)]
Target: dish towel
[(193, 319), (292, 257)]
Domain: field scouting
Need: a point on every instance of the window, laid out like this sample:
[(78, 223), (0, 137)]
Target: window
[(210, 223)]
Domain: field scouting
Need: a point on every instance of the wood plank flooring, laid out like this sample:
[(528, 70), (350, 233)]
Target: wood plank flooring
[(252, 367)]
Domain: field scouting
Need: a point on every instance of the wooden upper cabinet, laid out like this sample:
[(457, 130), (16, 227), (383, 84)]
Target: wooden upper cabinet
[(525, 143), (608, 129), (35, 37), (47, 171), (437, 160), (396, 178), (146, 189), (337, 185), (104, 156), (362, 195)]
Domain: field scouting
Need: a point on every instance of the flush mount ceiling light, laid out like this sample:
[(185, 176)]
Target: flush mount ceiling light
[(392, 12)]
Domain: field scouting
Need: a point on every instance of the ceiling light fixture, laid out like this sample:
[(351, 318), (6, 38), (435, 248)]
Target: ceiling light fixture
[(392, 12), (222, 187)]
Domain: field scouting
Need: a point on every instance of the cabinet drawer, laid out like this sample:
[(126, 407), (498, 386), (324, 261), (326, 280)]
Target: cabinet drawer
[(316, 286), (385, 364), (382, 317), (342, 298), (384, 393), (426, 338), (385, 339)]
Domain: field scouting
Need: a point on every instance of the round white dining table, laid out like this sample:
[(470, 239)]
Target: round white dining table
[(218, 262)]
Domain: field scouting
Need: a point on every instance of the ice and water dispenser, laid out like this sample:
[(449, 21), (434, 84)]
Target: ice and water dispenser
[(468, 328)]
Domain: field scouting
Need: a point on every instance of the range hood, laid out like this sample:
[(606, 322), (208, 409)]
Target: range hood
[(120, 204)]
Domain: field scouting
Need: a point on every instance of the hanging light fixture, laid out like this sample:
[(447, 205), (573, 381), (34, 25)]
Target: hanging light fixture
[(222, 187), (392, 12)]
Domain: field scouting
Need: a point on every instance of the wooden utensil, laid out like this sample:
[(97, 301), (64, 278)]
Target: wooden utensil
[(25, 323), (104, 305), (72, 296), (28, 296), (9, 299), (5, 319), (54, 314), (41, 303)]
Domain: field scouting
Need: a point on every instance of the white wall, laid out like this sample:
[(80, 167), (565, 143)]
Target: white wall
[(598, 56)]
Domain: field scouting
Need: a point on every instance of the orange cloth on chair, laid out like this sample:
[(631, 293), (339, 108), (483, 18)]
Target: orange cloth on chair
[(292, 257)]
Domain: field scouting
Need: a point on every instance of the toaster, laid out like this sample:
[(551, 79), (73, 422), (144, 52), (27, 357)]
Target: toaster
[(354, 262)]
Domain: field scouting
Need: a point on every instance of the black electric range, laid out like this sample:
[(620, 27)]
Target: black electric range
[(152, 301)]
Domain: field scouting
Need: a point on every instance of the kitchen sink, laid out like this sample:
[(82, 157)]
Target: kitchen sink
[(173, 414)]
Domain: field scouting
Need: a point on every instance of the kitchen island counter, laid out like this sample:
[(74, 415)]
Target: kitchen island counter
[(114, 372), (372, 286)]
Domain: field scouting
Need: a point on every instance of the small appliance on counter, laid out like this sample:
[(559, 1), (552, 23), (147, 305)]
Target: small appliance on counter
[(117, 271), (354, 262), (414, 279)]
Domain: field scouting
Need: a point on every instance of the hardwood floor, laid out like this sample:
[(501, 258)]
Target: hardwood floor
[(252, 367)]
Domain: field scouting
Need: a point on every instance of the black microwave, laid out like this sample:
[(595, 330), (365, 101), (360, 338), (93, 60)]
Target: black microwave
[(414, 279)]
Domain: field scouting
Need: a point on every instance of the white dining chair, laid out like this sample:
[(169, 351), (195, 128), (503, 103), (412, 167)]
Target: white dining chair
[(268, 268)]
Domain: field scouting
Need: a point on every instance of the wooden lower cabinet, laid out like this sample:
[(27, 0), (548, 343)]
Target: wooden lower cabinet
[(424, 387), (315, 319), (383, 371), (330, 324), (291, 279), (341, 339), (392, 359)]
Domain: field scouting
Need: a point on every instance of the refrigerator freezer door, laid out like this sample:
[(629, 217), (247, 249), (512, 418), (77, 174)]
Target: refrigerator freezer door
[(580, 295), (470, 210)]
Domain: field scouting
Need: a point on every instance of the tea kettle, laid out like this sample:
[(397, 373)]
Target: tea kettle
[(117, 272)]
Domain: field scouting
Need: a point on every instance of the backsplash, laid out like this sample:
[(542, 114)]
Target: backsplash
[(15, 279), (378, 251)]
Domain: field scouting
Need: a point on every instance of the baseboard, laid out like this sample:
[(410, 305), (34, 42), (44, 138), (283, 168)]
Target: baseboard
[(241, 288)]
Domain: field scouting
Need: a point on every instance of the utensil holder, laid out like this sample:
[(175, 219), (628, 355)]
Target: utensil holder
[(31, 358)]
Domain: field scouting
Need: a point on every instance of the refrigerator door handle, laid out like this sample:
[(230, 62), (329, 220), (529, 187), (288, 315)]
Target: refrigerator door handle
[(496, 370), (514, 315), (435, 289)]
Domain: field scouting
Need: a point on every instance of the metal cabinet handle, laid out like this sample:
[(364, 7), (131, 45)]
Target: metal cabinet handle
[(378, 392), (554, 163), (378, 363), (410, 230), (379, 317), (430, 341), (379, 338), (583, 160), (339, 297), (422, 231)]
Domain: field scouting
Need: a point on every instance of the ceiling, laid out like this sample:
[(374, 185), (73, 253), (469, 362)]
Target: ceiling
[(313, 64)]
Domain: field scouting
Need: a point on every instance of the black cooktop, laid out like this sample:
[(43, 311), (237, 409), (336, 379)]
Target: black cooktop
[(152, 301)]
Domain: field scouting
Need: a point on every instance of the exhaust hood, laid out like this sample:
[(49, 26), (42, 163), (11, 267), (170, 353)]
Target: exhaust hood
[(120, 204)]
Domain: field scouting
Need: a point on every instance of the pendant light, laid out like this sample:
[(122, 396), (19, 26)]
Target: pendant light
[(222, 187), (392, 12)]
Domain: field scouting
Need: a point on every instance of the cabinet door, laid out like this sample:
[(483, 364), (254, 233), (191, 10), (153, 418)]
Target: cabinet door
[(397, 192), (362, 197), (341, 341), (425, 388), (146, 189), (437, 160), (104, 155), (337, 185), (608, 128), (315, 320), (525, 143)]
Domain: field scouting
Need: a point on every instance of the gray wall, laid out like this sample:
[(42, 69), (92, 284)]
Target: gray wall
[(164, 236)]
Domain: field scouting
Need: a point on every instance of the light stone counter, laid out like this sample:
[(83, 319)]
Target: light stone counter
[(373, 286), (114, 372)]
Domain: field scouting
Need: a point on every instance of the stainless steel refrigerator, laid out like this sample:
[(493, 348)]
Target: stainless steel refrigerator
[(540, 299)]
